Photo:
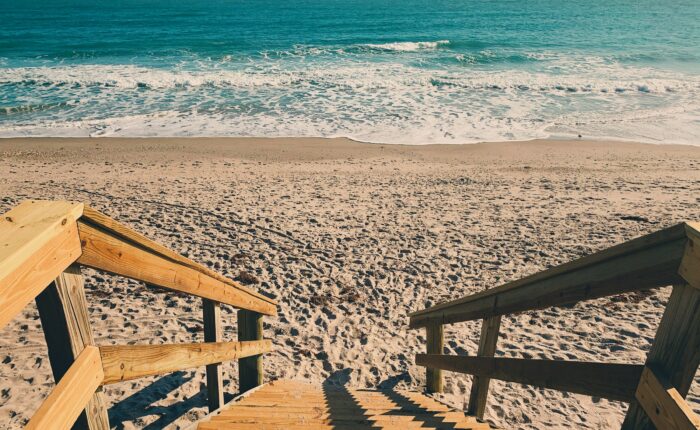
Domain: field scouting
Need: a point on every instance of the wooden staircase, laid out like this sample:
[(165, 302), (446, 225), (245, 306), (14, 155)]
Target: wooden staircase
[(44, 245), (282, 405)]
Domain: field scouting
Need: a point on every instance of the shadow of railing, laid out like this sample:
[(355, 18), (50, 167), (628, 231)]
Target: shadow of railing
[(125, 410)]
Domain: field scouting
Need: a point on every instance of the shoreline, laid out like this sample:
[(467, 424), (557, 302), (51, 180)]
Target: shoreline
[(530, 154), (296, 139)]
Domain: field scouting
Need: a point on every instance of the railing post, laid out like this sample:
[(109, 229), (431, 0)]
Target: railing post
[(675, 349), (250, 369), (211, 311), (435, 345), (487, 348), (64, 317)]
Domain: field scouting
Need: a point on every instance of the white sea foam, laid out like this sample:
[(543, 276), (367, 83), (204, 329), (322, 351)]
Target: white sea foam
[(376, 102), (134, 77), (430, 126), (407, 46), (365, 75)]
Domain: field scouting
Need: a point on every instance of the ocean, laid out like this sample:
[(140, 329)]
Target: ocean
[(410, 71)]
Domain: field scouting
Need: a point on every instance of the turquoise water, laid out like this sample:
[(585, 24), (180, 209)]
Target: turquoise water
[(410, 71)]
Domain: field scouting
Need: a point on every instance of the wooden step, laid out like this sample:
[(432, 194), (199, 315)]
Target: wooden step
[(291, 405)]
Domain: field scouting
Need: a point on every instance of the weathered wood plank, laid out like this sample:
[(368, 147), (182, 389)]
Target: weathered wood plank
[(690, 265), (250, 369), (611, 381), (68, 399), (692, 229), (352, 421), (38, 241), (299, 406), (295, 404), (313, 411), (125, 362), (646, 262), (488, 340), (435, 344), (675, 351), (98, 219), (662, 403), (212, 333), (64, 317), (339, 425), (104, 251)]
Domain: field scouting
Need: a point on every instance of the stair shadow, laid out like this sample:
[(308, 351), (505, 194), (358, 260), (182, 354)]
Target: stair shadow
[(139, 404), (388, 387), (342, 404), (428, 418)]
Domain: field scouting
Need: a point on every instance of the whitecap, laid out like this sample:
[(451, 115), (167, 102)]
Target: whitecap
[(407, 46)]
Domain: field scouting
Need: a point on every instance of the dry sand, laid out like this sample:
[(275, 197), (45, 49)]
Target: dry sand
[(349, 238)]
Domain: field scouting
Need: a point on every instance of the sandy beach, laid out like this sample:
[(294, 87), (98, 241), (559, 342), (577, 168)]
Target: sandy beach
[(349, 238)]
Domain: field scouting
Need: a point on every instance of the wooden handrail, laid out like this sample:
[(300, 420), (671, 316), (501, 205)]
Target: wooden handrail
[(39, 243), (104, 251), (125, 234), (667, 257), (646, 262), (125, 362), (120, 236), (608, 380), (40, 239), (71, 394)]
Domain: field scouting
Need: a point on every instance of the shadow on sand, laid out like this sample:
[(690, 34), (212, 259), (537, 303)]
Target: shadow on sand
[(140, 404)]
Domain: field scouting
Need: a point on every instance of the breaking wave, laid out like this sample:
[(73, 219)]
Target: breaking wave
[(408, 46), (367, 75), (389, 101)]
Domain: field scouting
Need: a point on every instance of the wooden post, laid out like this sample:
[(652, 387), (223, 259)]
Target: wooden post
[(435, 345), (663, 404), (211, 311), (64, 317), (250, 369), (674, 351), (487, 348)]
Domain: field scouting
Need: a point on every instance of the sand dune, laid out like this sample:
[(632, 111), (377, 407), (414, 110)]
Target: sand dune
[(349, 238)]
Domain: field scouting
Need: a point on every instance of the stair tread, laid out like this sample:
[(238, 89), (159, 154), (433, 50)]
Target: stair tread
[(295, 405)]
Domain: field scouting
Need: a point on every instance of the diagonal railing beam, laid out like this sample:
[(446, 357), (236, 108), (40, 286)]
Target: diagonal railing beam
[(104, 250), (646, 262), (68, 399)]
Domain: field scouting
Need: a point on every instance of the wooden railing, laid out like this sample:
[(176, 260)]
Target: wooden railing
[(43, 244), (655, 390)]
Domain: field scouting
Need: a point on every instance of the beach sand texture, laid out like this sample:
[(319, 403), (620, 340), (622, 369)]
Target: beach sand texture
[(349, 238)]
